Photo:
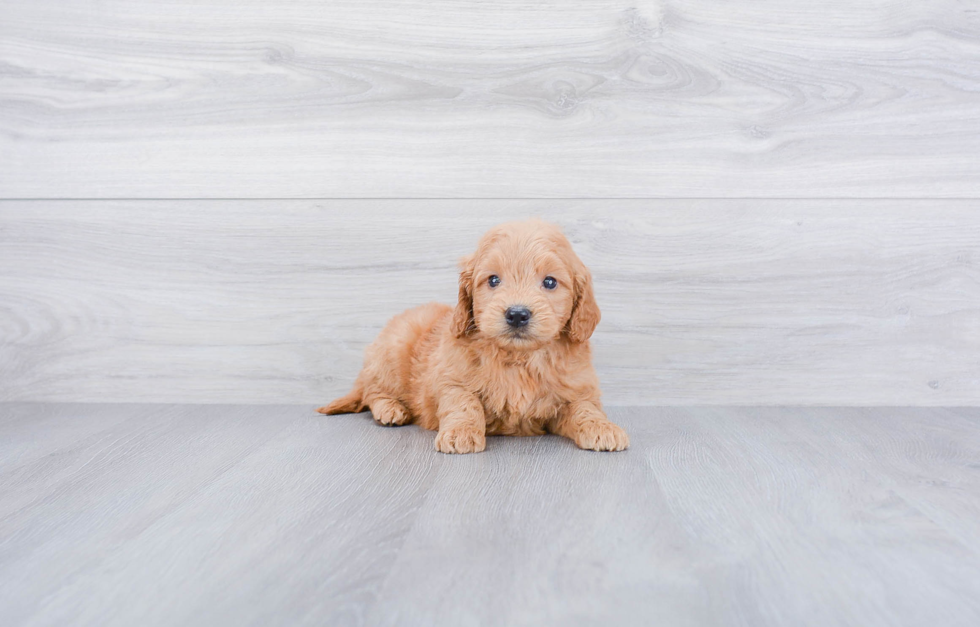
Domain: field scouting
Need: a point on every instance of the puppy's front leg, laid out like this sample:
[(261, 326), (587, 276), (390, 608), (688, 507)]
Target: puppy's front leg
[(462, 423), (585, 424)]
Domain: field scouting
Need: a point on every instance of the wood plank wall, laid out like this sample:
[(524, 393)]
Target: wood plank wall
[(704, 301), (220, 201)]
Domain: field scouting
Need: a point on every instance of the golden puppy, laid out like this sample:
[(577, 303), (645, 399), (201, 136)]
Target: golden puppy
[(512, 358)]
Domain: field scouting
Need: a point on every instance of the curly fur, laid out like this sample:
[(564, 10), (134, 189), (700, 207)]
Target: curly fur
[(462, 371)]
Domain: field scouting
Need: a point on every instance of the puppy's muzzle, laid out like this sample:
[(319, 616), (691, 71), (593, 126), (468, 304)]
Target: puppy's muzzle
[(517, 316)]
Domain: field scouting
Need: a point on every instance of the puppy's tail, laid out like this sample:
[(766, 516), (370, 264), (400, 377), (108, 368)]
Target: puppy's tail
[(350, 403)]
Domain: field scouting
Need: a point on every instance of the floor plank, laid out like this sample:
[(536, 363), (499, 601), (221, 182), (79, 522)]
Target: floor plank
[(715, 516), (465, 98), (798, 527), (549, 535), (29, 431), (928, 461), (169, 517)]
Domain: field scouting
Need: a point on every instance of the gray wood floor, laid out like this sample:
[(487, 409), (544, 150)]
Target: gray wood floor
[(182, 514)]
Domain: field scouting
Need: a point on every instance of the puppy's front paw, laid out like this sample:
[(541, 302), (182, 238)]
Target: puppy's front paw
[(603, 435), (461, 439)]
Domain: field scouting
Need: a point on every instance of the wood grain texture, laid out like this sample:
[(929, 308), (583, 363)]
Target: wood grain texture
[(160, 518), (204, 515), (704, 302), (450, 98)]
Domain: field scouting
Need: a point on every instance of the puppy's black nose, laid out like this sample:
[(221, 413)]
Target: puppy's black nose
[(517, 316)]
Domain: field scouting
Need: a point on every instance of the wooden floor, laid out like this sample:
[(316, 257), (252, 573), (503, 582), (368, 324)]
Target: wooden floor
[(192, 514)]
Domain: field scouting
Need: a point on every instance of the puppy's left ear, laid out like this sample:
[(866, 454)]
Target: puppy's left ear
[(463, 321), (585, 312)]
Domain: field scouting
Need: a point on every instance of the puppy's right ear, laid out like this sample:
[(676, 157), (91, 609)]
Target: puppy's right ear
[(463, 321)]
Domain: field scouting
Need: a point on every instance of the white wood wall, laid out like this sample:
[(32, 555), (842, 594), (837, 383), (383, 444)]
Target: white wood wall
[(704, 301), (223, 201)]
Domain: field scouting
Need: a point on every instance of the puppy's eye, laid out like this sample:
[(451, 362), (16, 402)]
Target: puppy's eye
[(550, 283), (493, 281)]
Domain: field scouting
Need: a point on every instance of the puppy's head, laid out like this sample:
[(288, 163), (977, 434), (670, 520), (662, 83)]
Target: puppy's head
[(525, 286)]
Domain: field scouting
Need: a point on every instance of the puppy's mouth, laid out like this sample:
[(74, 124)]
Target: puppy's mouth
[(520, 336)]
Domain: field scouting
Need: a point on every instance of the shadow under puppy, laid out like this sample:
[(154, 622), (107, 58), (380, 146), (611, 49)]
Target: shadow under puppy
[(512, 358)]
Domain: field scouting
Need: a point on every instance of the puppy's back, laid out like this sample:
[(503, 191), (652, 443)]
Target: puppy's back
[(390, 360)]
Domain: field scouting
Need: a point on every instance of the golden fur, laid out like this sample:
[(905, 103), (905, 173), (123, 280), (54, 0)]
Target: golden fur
[(465, 373)]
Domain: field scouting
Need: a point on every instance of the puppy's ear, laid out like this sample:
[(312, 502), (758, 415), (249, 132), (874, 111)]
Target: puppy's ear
[(585, 312), (463, 321)]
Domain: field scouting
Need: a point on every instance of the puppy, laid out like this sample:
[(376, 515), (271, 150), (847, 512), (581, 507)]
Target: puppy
[(512, 358)]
